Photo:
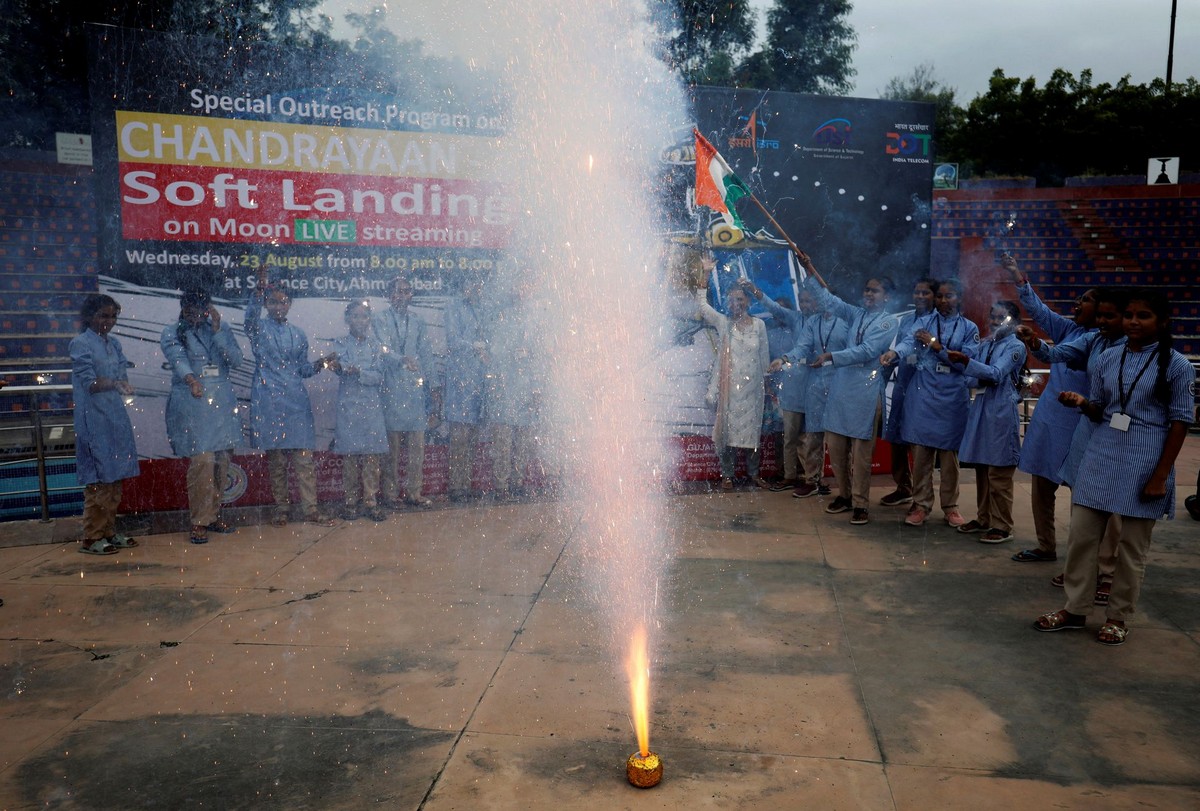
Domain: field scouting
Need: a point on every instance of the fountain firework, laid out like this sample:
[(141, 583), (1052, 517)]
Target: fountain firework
[(591, 108)]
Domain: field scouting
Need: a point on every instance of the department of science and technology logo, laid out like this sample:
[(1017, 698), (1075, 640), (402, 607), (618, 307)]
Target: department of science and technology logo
[(753, 135), (834, 132)]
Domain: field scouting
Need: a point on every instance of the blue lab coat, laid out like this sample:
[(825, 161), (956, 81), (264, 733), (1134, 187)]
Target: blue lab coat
[(405, 394), (858, 378), (820, 333), (788, 383), (463, 399), (937, 396), (1048, 435), (280, 412), (105, 451), (210, 422), (360, 427), (993, 431)]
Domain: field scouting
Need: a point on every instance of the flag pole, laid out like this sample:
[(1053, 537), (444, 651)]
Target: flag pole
[(804, 258)]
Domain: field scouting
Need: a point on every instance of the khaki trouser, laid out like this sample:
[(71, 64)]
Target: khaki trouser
[(923, 458), (463, 437), (207, 474), (410, 446), (360, 478), (306, 477), (512, 448), (994, 496), (793, 424), (1088, 527), (851, 461), (812, 457), (901, 468), (100, 503), (1041, 501)]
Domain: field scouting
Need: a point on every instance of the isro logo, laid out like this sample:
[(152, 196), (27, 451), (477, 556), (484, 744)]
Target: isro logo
[(834, 132), (753, 135)]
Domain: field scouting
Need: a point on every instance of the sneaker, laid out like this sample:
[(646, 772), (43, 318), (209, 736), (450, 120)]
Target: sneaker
[(916, 517), (860, 516), (954, 518), (419, 502), (896, 498), (972, 526), (1034, 556), (823, 490), (994, 536), (779, 485), (320, 519), (375, 514), (804, 490), (1192, 505), (838, 505)]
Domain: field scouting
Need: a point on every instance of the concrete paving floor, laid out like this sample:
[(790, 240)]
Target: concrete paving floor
[(456, 659)]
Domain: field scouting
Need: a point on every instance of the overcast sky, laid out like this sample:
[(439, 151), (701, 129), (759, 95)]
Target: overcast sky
[(964, 40)]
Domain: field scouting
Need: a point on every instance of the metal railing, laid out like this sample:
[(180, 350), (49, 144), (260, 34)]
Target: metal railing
[(46, 428)]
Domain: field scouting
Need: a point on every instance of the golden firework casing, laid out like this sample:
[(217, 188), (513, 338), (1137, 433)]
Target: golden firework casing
[(644, 772)]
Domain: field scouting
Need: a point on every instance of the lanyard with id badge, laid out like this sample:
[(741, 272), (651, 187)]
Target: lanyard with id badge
[(1121, 420)]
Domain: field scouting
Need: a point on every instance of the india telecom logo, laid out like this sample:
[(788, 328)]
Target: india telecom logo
[(834, 132), (235, 484)]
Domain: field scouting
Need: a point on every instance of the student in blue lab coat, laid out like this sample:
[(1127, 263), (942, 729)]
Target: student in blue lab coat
[(852, 413), (1142, 397), (924, 291), (466, 372), (822, 333), (516, 386), (1048, 435), (411, 401), (202, 416), (992, 439), (1084, 350), (281, 418), (360, 433), (105, 450), (936, 401), (786, 382)]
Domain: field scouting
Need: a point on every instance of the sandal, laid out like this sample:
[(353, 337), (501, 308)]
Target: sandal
[(99, 546), (1059, 581), (199, 534), (1060, 621), (972, 526), (320, 519), (1112, 634), (726, 484), (1102, 593), (220, 527), (995, 536), (122, 541), (280, 520), (1034, 556)]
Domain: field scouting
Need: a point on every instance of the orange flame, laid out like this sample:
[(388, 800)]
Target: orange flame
[(637, 665)]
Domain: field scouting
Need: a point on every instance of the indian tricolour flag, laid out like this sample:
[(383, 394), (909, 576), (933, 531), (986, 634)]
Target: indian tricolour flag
[(716, 185)]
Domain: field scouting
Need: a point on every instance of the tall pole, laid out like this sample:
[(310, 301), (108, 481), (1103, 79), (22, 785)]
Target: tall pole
[(1171, 44)]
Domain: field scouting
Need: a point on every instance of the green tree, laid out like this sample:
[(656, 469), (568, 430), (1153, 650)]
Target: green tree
[(808, 49), (922, 84), (1072, 127), (705, 37)]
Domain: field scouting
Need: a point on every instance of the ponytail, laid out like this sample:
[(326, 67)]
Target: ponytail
[(1162, 386)]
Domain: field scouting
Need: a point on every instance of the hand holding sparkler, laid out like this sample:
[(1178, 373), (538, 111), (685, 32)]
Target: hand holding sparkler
[(1009, 263)]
